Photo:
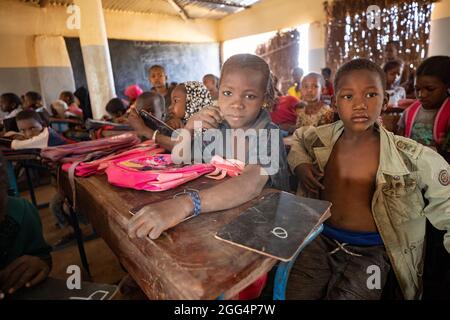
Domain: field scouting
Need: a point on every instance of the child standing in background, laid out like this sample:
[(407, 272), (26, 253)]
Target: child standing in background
[(211, 82), (158, 79), (294, 90), (393, 70), (312, 111), (69, 98)]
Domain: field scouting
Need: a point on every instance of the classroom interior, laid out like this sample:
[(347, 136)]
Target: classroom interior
[(107, 47)]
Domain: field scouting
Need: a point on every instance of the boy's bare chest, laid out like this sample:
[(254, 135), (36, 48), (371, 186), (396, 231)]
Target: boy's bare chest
[(353, 165)]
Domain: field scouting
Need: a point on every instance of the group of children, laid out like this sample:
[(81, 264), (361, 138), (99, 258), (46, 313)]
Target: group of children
[(383, 187)]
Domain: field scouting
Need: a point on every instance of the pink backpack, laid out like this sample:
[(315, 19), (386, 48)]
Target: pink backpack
[(159, 173), (89, 150), (85, 169)]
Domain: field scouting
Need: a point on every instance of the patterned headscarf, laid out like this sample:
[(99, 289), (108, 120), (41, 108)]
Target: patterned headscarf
[(197, 97)]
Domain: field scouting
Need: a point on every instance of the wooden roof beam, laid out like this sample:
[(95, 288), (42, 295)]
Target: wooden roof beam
[(224, 3), (181, 12)]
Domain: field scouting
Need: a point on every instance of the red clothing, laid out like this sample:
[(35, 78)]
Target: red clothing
[(284, 111), (74, 109), (328, 89)]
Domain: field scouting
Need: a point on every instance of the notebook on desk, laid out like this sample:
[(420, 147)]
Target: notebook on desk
[(277, 225)]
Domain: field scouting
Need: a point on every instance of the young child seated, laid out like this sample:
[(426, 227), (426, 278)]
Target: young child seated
[(393, 70), (328, 89), (428, 120), (116, 109), (245, 89), (10, 105), (383, 188), (153, 103), (25, 258), (59, 109), (211, 82), (294, 90), (34, 132), (312, 111), (187, 99), (33, 101), (74, 110)]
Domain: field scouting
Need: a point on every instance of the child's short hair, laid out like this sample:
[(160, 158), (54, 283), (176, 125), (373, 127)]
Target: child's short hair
[(211, 76), (436, 66), (151, 101), (11, 98), (359, 64), (31, 114), (326, 71), (315, 75), (68, 97), (157, 66), (116, 107), (392, 65), (33, 96), (253, 62)]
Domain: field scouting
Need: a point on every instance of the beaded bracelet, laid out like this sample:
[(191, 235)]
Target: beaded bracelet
[(195, 197)]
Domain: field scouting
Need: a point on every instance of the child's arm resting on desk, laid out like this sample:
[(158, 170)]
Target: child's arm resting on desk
[(154, 219), (434, 180), (301, 162)]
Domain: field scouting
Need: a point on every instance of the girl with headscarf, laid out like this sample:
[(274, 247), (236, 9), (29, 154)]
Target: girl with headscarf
[(187, 99)]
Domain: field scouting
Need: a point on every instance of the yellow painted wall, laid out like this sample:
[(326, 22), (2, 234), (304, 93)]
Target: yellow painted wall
[(21, 22), (17, 51), (441, 10), (270, 15)]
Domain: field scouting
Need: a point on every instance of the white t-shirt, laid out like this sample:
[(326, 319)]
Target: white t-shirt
[(396, 94), (39, 142)]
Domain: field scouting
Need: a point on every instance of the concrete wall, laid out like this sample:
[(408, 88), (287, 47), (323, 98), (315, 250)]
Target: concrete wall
[(22, 23), (440, 29)]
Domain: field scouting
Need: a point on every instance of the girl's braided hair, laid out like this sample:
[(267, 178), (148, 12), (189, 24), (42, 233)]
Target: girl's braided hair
[(253, 62)]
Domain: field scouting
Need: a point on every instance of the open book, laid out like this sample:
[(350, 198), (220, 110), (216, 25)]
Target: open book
[(277, 226)]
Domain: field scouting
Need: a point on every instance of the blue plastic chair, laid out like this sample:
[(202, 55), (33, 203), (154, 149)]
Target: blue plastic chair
[(284, 268)]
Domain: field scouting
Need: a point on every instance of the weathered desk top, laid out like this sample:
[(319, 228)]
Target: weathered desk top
[(186, 262)]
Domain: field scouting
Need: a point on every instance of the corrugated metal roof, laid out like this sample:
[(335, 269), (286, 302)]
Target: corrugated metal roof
[(207, 9)]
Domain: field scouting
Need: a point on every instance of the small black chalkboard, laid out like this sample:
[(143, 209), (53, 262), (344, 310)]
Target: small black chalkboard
[(155, 124), (277, 226)]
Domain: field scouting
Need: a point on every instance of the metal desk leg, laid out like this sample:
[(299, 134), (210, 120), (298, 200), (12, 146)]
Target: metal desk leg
[(12, 181), (31, 188), (284, 268), (79, 237)]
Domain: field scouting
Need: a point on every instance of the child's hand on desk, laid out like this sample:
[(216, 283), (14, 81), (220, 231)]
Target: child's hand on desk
[(210, 117), (24, 271), (154, 219), (309, 177)]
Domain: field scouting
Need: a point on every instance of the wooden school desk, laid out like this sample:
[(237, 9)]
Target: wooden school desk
[(185, 262)]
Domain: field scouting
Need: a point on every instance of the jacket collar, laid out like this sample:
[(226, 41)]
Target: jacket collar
[(390, 162)]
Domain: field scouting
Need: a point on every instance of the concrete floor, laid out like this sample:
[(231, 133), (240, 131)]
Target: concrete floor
[(104, 266)]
